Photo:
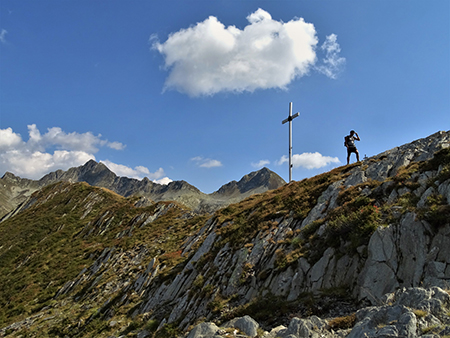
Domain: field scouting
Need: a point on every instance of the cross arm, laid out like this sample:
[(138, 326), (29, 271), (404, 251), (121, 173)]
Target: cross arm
[(290, 118)]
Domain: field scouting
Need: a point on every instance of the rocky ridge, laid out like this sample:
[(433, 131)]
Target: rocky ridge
[(377, 231)]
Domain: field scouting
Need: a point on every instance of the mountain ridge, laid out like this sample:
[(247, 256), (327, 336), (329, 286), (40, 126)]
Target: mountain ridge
[(98, 174)]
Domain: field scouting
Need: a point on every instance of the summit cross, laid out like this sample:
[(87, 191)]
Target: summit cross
[(289, 119)]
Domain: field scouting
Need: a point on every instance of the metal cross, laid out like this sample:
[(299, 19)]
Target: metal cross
[(289, 119)]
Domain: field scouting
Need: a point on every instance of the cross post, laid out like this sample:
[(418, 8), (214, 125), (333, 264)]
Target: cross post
[(289, 119)]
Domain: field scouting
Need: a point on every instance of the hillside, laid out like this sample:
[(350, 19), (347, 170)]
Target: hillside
[(15, 190), (83, 261)]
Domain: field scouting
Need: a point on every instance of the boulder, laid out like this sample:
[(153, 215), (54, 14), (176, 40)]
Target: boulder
[(203, 330), (313, 327), (385, 321), (246, 325)]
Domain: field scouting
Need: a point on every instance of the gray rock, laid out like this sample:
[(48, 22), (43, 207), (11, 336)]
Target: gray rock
[(325, 202), (204, 248), (281, 284), (304, 328), (412, 248), (296, 286), (442, 242), (203, 330), (245, 324), (392, 197), (379, 170), (275, 332), (385, 321), (376, 280), (433, 300), (382, 247), (317, 272), (423, 200), (346, 270), (435, 269), (357, 176), (444, 190), (143, 334)]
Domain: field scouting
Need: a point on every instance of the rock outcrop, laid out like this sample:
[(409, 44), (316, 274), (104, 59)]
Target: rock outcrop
[(411, 313)]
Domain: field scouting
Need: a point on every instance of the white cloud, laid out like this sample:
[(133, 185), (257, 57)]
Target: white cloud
[(122, 170), (309, 160), (9, 139), (208, 57), (211, 164), (72, 141), (30, 159), (138, 172), (333, 64), (35, 164), (260, 164), (206, 162), (163, 181), (33, 158), (116, 145), (3, 33)]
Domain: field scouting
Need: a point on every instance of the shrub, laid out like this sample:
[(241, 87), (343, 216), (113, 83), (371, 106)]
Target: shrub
[(296, 242), (280, 259), (438, 212), (356, 226), (198, 282), (420, 313), (168, 331), (311, 228), (343, 323), (152, 325)]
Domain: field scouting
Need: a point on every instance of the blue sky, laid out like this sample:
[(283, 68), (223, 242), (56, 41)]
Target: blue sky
[(196, 90)]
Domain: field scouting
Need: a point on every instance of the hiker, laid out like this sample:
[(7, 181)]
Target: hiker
[(349, 143)]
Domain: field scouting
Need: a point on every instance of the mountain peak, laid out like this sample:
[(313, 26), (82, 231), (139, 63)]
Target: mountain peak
[(9, 176), (255, 182)]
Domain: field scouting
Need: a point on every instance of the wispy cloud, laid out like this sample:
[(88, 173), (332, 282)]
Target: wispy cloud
[(260, 164), (309, 160), (206, 162), (34, 158), (3, 33), (333, 64), (209, 57)]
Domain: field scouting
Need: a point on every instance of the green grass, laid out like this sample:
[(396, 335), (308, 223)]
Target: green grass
[(49, 244)]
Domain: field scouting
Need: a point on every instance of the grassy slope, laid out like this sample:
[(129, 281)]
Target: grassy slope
[(48, 244)]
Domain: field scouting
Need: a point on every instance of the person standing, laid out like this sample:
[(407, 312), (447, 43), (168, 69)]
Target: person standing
[(349, 143)]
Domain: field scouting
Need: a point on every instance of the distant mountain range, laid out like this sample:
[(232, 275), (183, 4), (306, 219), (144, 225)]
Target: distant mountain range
[(15, 190)]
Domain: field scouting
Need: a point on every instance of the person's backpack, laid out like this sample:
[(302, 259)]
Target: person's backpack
[(345, 141)]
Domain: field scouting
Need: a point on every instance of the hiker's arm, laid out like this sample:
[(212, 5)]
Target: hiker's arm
[(357, 137)]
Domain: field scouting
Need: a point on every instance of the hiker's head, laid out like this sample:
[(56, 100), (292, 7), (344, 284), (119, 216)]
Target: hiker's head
[(352, 132)]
